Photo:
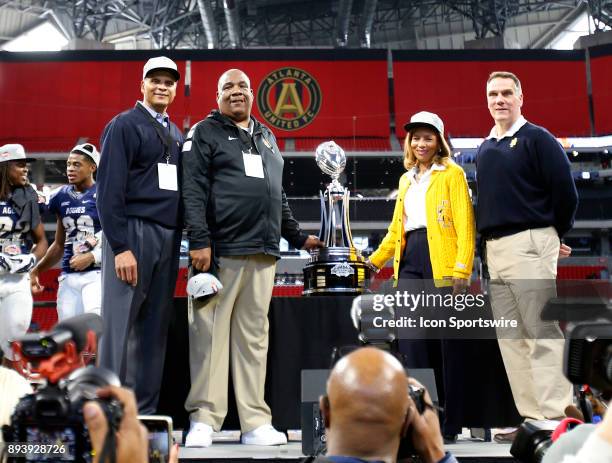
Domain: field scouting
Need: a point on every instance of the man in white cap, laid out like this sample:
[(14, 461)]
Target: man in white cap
[(77, 237), (138, 203)]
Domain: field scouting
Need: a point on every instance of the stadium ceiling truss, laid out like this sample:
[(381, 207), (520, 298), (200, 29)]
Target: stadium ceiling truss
[(285, 23)]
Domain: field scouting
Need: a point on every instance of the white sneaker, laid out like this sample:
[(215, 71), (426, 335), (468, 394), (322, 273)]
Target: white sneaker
[(264, 435), (199, 435)]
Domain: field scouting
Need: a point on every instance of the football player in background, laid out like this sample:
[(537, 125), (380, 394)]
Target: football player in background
[(77, 238), (22, 243)]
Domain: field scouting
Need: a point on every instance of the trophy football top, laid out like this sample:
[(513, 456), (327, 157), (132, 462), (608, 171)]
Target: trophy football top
[(331, 159)]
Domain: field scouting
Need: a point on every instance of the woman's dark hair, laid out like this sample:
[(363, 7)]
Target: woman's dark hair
[(5, 184)]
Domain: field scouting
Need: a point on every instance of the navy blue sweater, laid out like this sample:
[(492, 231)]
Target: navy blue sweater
[(128, 182), (524, 181)]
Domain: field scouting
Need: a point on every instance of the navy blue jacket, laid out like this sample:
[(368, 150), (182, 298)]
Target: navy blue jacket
[(127, 179), (524, 181)]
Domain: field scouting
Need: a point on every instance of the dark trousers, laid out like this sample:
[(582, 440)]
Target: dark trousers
[(415, 275), (135, 318)]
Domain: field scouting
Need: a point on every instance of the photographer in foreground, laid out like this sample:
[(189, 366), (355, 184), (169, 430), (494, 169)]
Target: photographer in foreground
[(367, 412), (132, 442)]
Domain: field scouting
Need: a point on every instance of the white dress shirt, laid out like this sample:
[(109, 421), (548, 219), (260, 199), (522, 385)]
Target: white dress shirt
[(520, 122), (415, 213)]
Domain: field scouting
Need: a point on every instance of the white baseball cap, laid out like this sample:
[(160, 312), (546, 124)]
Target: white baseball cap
[(88, 150), (203, 284), (425, 118), (163, 63), (13, 152)]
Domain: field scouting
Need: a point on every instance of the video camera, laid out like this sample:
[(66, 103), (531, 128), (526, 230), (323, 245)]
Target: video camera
[(48, 425), (587, 362), (588, 356), (363, 315)]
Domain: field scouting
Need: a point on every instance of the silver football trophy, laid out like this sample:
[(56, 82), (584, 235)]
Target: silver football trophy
[(338, 268)]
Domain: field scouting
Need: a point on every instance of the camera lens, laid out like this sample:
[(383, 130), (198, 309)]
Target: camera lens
[(83, 384)]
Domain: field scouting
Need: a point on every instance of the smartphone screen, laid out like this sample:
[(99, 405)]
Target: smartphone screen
[(160, 437)]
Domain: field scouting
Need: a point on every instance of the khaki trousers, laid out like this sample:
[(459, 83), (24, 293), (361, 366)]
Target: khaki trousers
[(523, 269), (230, 330)]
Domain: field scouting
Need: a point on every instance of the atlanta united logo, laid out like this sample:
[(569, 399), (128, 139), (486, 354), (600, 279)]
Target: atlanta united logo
[(289, 98)]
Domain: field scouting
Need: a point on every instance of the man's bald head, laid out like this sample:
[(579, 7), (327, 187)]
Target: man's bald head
[(235, 96), (368, 401), (232, 74)]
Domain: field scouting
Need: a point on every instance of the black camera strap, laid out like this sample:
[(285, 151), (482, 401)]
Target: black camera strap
[(109, 450)]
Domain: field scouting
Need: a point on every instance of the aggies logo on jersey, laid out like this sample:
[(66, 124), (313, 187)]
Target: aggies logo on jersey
[(289, 98)]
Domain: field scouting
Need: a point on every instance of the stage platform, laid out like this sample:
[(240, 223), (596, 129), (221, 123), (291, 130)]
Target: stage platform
[(226, 448)]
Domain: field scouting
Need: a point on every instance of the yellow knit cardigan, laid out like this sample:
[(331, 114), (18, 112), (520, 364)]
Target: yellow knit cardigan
[(450, 226)]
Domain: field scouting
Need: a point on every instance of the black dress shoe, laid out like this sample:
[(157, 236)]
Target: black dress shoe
[(506, 437)]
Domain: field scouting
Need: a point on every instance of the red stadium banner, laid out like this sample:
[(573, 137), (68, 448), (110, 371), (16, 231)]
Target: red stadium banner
[(452, 84), (49, 105), (53, 99), (601, 72), (317, 98)]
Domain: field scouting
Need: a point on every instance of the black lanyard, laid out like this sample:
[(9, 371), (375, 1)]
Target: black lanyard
[(164, 134), (247, 140)]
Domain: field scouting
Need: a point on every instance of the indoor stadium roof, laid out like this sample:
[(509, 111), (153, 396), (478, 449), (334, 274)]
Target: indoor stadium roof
[(395, 24)]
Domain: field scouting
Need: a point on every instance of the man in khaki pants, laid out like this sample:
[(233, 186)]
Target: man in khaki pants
[(235, 213), (527, 200)]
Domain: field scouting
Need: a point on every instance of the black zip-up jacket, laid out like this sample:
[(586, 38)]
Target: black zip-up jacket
[(226, 209)]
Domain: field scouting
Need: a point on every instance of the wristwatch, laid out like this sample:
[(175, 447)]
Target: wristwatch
[(371, 266)]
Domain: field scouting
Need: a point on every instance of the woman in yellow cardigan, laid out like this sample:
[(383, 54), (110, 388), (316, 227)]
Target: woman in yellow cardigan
[(432, 237), (432, 234)]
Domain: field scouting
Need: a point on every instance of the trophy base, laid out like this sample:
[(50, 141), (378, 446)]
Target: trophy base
[(336, 271)]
